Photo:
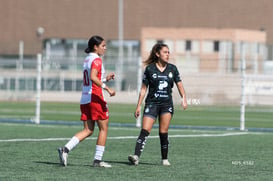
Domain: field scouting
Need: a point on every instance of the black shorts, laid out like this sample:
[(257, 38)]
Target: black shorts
[(154, 110)]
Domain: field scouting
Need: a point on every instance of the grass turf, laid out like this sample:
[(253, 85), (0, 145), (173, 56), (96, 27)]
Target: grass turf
[(194, 155), (227, 116)]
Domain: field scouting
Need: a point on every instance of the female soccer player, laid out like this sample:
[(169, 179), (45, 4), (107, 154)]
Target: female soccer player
[(93, 105), (159, 78)]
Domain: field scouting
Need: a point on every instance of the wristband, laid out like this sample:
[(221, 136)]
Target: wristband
[(103, 85)]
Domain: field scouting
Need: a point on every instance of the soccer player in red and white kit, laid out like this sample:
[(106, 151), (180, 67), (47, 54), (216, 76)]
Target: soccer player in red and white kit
[(93, 105)]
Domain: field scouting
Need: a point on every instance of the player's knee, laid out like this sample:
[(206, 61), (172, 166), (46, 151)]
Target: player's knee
[(88, 131)]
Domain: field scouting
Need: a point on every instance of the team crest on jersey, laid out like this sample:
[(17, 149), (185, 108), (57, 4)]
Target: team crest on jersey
[(170, 75), (154, 76)]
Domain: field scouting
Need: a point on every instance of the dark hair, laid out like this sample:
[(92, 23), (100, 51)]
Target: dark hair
[(94, 40), (156, 49)]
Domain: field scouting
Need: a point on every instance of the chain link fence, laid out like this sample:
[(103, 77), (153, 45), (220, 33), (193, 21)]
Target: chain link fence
[(61, 78)]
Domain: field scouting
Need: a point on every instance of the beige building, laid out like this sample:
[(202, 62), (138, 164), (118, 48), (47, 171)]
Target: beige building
[(69, 19), (209, 49)]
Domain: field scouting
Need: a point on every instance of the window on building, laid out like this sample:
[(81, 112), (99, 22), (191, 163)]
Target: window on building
[(160, 41), (216, 46), (130, 49), (188, 45)]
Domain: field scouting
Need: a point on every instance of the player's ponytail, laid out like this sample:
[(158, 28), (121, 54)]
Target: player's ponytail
[(94, 40)]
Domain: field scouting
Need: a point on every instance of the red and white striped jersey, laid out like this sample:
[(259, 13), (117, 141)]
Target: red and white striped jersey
[(92, 61)]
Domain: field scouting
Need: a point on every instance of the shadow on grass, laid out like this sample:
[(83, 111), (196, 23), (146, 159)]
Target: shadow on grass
[(90, 165), (127, 163)]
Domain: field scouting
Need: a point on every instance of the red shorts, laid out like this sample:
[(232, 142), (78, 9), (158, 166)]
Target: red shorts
[(96, 110)]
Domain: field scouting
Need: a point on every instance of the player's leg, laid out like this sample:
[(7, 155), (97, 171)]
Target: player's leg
[(100, 113), (164, 122), (101, 142), (88, 128), (147, 125)]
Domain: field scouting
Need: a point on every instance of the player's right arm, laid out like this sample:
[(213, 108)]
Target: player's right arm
[(141, 96)]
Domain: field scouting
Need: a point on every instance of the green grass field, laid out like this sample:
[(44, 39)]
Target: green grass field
[(29, 152), (219, 116)]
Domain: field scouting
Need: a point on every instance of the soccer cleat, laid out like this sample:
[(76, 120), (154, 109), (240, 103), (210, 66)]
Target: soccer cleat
[(98, 163), (165, 162), (133, 159), (63, 156)]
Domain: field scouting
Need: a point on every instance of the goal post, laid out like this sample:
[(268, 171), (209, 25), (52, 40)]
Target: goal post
[(243, 80), (139, 82), (38, 89)]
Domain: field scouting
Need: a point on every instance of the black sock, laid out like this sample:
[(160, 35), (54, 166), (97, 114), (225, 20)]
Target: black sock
[(66, 150), (140, 143), (164, 142)]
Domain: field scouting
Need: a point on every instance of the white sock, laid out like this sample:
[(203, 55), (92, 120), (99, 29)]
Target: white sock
[(73, 142), (99, 152)]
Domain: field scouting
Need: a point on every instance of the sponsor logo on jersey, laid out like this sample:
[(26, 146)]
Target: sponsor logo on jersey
[(162, 85)]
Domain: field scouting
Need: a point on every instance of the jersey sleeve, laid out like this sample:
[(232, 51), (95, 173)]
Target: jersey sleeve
[(96, 64), (145, 79), (177, 77)]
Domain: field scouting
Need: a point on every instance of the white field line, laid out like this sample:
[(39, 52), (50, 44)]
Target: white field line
[(127, 137)]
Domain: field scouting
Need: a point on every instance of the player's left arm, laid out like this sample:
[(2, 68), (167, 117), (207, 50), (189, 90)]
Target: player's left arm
[(110, 76), (95, 67), (180, 87), (182, 93), (98, 82)]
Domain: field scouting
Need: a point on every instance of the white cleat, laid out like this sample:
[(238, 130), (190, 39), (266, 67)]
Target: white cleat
[(103, 164), (133, 159), (165, 162), (63, 156)]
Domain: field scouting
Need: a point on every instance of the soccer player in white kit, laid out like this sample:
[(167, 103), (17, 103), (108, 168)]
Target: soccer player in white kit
[(92, 104)]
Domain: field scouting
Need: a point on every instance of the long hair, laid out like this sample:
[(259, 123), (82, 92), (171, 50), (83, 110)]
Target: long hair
[(94, 40), (153, 57)]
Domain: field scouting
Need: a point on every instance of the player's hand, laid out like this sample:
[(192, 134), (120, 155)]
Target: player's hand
[(184, 103), (111, 92), (110, 76), (137, 112)]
